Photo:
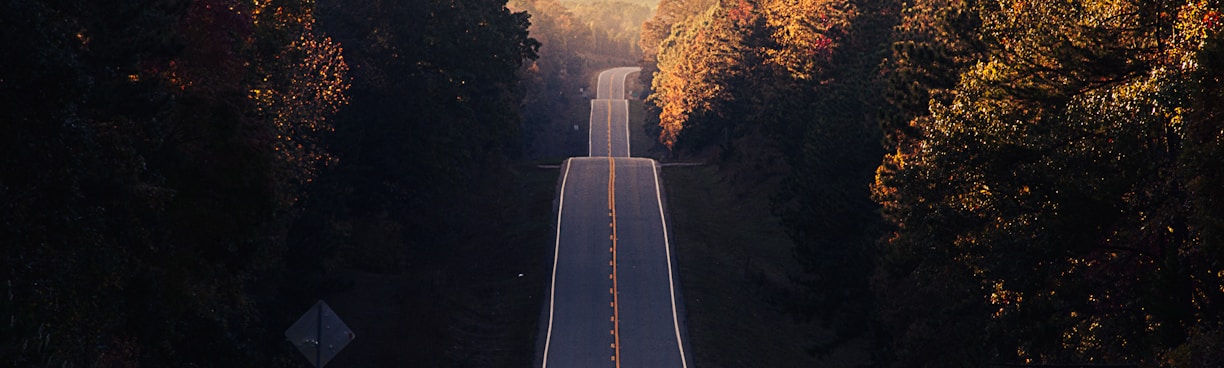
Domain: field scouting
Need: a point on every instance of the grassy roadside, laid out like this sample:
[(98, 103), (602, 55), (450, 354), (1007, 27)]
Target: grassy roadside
[(503, 290), (640, 144), (476, 304), (735, 270), (735, 263)]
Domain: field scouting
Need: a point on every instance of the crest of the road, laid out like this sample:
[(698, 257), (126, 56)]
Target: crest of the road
[(612, 299)]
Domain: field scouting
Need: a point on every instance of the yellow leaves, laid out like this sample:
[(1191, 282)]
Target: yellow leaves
[(974, 200), (1081, 99), (805, 31), (705, 51), (1194, 21), (300, 89), (694, 63), (1006, 300), (1075, 43)]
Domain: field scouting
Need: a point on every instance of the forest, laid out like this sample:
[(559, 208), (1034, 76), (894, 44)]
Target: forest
[(967, 183), (970, 183), (180, 179), (577, 40)]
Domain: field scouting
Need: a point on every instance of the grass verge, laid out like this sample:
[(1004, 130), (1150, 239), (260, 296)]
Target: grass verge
[(474, 304), (640, 144), (735, 266), (503, 290)]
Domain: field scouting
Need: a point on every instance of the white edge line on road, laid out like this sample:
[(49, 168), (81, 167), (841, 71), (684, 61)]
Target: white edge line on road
[(667, 245), (607, 74), (627, 152), (552, 292), (591, 130), (623, 75)]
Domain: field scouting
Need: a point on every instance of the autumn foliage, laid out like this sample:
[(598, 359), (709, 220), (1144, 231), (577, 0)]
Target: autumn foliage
[(157, 157), (152, 156), (1062, 155), (703, 51), (577, 40), (1048, 191)]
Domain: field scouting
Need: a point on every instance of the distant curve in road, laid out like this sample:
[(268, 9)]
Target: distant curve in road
[(612, 83), (608, 133), (612, 298)]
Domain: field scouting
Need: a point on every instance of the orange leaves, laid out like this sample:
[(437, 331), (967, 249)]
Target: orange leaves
[(806, 32), (301, 87), (1195, 21), (742, 12), (695, 63), (1006, 300), (1053, 172), (883, 189), (709, 55), (668, 14)]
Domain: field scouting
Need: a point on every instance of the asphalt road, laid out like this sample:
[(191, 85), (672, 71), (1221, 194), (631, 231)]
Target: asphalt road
[(612, 299), (612, 83), (609, 130)]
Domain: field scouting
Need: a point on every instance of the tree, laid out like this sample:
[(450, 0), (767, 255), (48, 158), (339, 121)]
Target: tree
[(790, 88), (552, 82), (1041, 203), (699, 64), (143, 189)]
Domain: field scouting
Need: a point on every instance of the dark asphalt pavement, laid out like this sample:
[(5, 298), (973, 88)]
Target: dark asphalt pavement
[(612, 300), (609, 129)]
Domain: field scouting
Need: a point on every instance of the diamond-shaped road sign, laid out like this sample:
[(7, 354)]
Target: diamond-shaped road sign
[(319, 334)]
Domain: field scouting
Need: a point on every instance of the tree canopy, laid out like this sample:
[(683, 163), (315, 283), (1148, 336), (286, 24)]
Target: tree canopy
[(1060, 154), (161, 161), (1048, 191)]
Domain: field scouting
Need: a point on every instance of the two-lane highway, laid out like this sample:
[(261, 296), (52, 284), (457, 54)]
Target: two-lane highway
[(612, 298), (612, 83), (609, 137), (609, 129)]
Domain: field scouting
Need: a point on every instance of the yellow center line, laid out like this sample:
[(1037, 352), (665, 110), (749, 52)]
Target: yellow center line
[(612, 212), (615, 286), (609, 128)]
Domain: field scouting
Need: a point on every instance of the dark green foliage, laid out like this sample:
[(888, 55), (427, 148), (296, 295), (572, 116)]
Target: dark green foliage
[(825, 201), (1049, 191), (134, 213), (426, 110), (1048, 187), (767, 90), (158, 209)]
